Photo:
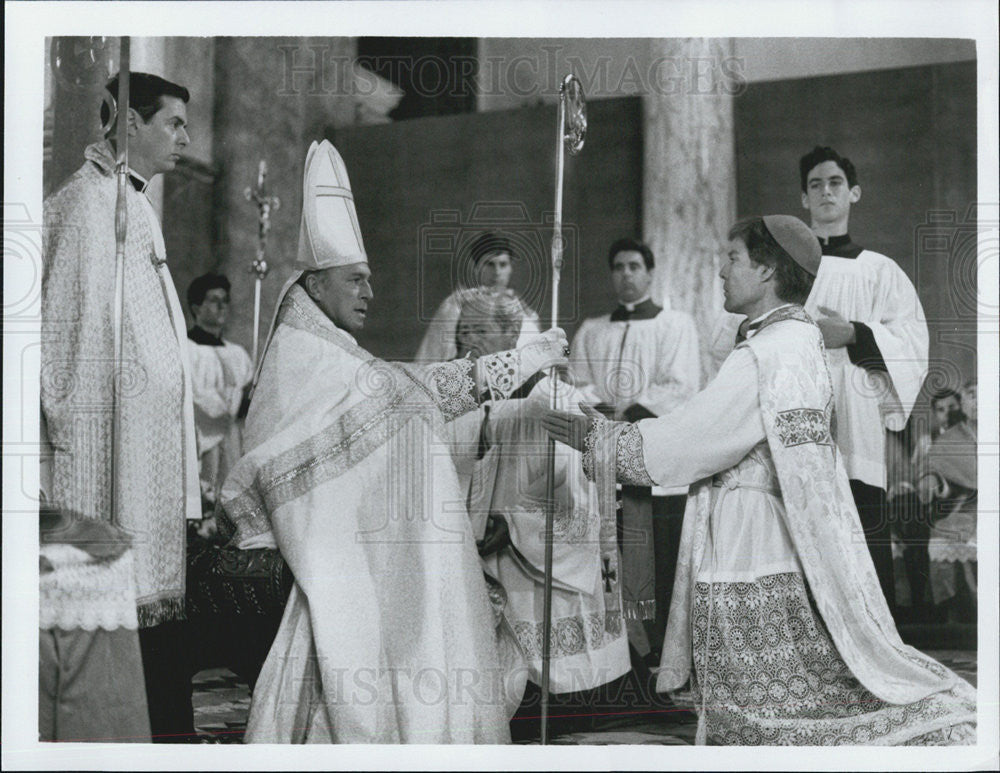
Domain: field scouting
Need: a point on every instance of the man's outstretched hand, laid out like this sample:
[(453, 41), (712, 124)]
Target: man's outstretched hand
[(568, 428)]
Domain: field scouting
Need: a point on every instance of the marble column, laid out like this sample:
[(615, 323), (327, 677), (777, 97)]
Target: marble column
[(689, 186), (273, 97)]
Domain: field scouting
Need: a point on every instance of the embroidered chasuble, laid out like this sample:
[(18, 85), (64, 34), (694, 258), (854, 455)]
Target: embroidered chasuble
[(388, 635), (777, 617), (158, 461)]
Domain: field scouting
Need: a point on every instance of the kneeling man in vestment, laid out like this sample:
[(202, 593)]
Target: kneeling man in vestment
[(777, 618)]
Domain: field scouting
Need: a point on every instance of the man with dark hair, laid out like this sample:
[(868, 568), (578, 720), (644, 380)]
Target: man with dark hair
[(876, 339), (157, 464), (490, 259), (792, 282), (641, 361), (146, 96), (821, 155), (947, 407), (631, 245), (777, 620), (200, 288), (221, 372)]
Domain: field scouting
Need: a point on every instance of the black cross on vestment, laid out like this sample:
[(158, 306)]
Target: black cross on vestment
[(609, 575)]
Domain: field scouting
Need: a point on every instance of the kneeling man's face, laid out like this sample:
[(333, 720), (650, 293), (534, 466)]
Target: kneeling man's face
[(343, 294), (742, 284)]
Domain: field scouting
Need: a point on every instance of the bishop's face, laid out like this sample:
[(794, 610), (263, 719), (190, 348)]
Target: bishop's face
[(343, 294)]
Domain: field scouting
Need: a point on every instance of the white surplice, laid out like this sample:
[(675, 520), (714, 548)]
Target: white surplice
[(649, 362), (218, 377), (874, 290)]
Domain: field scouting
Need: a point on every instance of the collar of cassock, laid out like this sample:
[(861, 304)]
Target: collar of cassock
[(201, 336), (138, 181), (839, 246), (644, 309)]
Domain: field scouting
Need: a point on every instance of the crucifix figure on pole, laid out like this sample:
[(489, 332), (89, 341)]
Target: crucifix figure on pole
[(266, 204)]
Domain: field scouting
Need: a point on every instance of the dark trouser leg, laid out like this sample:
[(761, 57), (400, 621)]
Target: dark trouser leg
[(668, 517), (90, 687), (167, 666), (912, 524), (870, 501)]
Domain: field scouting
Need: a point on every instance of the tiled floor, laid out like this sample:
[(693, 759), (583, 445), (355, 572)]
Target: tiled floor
[(221, 703)]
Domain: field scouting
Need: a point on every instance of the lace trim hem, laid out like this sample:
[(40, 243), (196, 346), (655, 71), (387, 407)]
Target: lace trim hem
[(88, 595), (631, 465), (455, 387)]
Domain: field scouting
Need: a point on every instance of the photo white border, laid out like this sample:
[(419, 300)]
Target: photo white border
[(28, 24)]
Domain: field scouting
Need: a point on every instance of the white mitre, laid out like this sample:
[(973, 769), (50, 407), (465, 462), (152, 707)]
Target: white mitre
[(329, 234)]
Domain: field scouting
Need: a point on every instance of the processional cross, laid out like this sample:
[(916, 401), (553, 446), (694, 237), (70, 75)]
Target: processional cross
[(265, 205)]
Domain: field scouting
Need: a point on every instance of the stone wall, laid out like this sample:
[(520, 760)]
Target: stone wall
[(273, 97)]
